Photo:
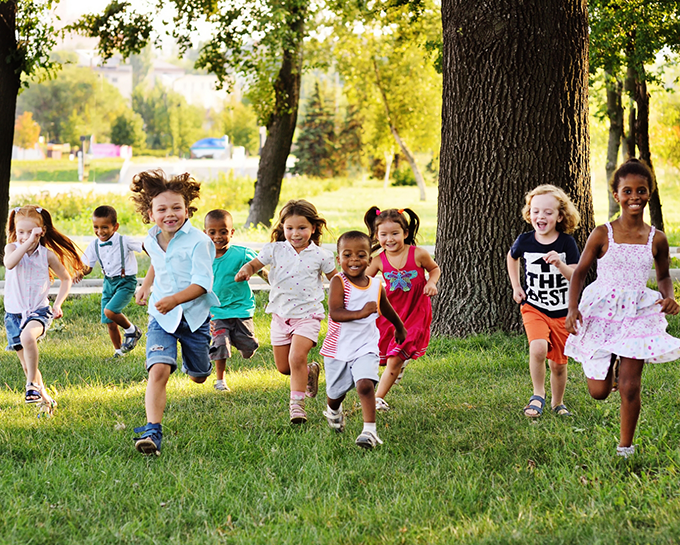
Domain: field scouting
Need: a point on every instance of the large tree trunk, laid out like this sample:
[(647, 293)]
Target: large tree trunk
[(9, 89), (514, 115), (615, 114), (280, 129), (642, 140), (395, 133)]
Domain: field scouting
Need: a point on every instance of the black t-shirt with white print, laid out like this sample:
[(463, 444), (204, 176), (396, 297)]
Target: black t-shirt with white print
[(544, 284)]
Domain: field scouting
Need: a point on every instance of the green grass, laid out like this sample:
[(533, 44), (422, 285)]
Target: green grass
[(63, 170), (460, 462)]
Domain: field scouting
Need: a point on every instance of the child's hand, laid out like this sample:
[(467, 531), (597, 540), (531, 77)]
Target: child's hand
[(669, 306), (56, 311), (142, 296), (553, 258), (78, 277), (369, 308), (400, 334), (430, 288), (212, 328), (244, 273), (518, 294), (573, 321), (36, 233), (166, 304)]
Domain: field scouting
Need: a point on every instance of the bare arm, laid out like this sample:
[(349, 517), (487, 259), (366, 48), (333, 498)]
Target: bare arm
[(424, 259), (65, 286), (663, 278), (518, 293), (264, 274), (14, 252), (142, 295), (553, 258), (336, 304), (248, 270), (593, 250), (331, 274), (375, 266), (388, 312), (166, 304)]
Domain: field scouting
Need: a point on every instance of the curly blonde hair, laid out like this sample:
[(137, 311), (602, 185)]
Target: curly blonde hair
[(149, 184), (570, 216)]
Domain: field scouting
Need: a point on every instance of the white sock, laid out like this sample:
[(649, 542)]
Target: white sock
[(219, 382), (335, 412), (130, 330), (370, 426), (119, 352)]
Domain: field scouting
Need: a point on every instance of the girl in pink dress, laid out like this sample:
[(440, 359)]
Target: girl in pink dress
[(403, 267), (618, 315)]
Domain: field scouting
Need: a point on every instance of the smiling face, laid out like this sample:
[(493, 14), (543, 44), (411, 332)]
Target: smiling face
[(632, 194), (103, 228), (169, 212), (545, 215), (24, 227), (391, 236), (298, 231), (220, 232), (354, 256)]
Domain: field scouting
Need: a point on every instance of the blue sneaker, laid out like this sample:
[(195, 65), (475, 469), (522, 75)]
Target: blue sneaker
[(130, 340), (150, 441)]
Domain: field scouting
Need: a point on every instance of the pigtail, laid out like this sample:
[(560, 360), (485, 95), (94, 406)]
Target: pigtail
[(11, 226), (64, 248), (369, 220), (413, 226)]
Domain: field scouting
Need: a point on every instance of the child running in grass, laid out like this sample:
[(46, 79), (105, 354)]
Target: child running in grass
[(350, 349), (296, 297), (403, 267), (550, 256), (618, 315), (116, 255), (232, 320), (35, 248), (179, 306)]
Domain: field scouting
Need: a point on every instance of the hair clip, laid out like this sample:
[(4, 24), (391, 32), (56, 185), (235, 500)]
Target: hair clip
[(38, 209), (401, 210), (17, 209), (377, 212)]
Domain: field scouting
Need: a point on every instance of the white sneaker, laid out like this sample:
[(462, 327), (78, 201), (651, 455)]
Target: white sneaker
[(336, 421), (381, 404), (368, 439), (401, 373), (220, 386)]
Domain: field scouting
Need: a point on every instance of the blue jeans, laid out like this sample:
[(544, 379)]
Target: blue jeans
[(14, 325), (161, 347)]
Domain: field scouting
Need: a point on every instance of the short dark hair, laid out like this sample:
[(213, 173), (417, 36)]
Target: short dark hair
[(217, 214), (106, 212), (354, 235), (633, 167)]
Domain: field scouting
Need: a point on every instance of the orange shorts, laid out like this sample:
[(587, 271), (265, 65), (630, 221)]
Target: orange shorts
[(540, 326)]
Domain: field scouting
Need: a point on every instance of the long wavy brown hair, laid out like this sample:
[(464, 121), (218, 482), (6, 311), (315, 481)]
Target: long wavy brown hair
[(307, 210)]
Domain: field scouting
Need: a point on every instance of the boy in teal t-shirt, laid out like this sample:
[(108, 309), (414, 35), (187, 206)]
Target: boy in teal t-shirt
[(232, 321)]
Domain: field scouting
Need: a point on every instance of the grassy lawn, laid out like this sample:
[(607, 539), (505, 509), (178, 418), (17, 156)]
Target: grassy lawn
[(460, 462)]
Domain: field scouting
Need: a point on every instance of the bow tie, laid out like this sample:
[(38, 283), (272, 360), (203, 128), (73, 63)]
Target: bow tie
[(108, 243)]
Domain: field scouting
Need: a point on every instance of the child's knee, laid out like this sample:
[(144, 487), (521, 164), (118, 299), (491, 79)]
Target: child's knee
[(558, 369), (365, 387), (538, 348), (110, 314), (599, 389), (198, 380)]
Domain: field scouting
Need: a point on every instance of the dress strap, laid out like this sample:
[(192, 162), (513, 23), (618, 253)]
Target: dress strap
[(651, 235), (610, 232)]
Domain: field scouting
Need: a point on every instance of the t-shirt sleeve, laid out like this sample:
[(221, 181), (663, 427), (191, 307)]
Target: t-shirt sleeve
[(516, 251), (202, 264), (327, 262), (266, 255), (90, 257), (571, 249)]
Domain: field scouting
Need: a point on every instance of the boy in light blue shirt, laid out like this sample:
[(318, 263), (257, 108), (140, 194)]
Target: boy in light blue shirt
[(182, 277)]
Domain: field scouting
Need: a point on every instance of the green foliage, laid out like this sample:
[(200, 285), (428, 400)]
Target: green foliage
[(52, 170), (169, 122), (26, 131), (403, 176), (77, 102), (239, 122), (128, 130), (316, 146)]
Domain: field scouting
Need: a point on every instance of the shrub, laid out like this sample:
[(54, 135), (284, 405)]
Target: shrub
[(403, 176)]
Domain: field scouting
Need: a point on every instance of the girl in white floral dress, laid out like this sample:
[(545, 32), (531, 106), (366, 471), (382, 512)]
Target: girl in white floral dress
[(618, 315)]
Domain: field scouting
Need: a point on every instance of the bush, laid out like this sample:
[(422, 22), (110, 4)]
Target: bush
[(403, 176)]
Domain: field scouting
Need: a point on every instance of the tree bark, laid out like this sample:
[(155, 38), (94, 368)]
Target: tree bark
[(615, 114), (280, 128), (642, 140), (389, 157), (395, 133), (514, 115), (10, 73)]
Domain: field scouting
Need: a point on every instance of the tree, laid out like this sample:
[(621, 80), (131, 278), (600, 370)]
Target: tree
[(239, 122), (26, 131), (261, 39), (315, 148), (26, 38), (514, 115), (128, 130)]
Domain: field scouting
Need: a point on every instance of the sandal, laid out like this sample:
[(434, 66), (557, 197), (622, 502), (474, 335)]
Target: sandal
[(381, 404), (297, 414), (561, 410), (537, 408), (33, 393)]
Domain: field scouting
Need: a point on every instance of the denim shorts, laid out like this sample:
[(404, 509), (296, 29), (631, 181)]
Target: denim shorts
[(161, 347), (14, 325)]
